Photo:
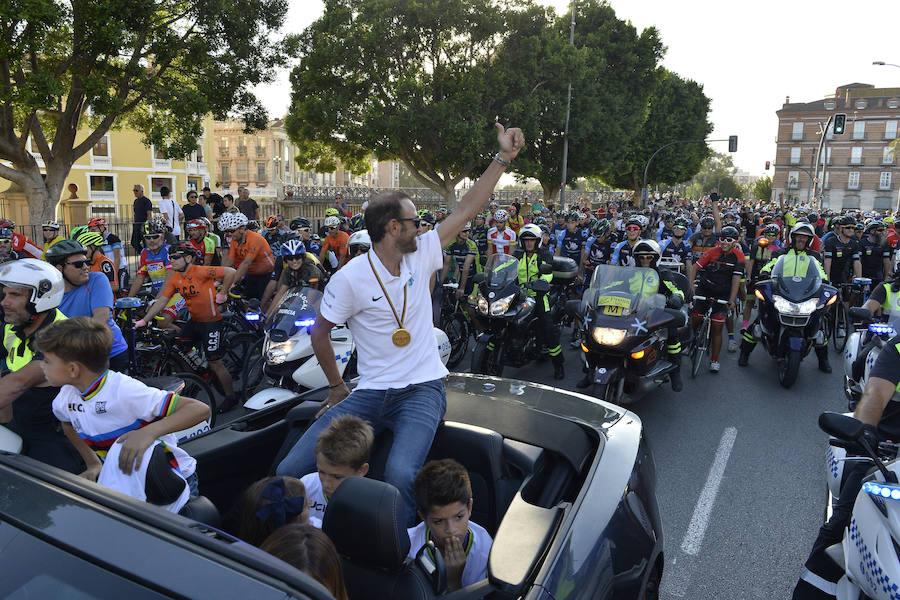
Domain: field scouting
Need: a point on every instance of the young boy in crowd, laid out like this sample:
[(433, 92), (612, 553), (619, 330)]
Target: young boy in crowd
[(342, 451), (99, 407), (443, 495)]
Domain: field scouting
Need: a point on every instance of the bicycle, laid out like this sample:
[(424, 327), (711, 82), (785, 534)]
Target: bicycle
[(455, 323), (836, 319), (701, 342)]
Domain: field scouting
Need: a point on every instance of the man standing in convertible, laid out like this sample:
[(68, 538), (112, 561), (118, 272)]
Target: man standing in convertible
[(384, 298)]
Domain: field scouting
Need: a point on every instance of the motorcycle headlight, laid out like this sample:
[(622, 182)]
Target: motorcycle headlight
[(277, 352), (804, 308), (607, 336), (499, 307), (483, 305)]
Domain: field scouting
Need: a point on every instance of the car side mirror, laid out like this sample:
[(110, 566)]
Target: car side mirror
[(545, 269), (478, 279), (430, 560)]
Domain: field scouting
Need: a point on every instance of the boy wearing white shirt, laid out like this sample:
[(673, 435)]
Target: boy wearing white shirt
[(443, 495)]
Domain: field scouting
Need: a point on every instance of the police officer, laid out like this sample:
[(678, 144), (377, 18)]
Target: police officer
[(33, 289)]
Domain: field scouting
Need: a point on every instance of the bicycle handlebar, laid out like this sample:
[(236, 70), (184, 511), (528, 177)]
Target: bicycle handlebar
[(719, 300)]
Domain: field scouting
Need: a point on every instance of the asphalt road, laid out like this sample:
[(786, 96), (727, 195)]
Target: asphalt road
[(762, 444)]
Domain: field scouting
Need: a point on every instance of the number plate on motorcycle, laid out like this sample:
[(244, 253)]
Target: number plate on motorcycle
[(615, 311), (613, 305)]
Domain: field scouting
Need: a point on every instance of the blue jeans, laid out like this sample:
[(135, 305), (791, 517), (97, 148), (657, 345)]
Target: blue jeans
[(411, 413)]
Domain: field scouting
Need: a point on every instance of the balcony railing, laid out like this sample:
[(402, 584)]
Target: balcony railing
[(162, 164), (101, 162), (260, 150), (242, 150), (223, 151)]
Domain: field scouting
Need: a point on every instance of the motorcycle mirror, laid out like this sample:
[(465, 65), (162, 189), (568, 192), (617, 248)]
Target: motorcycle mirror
[(573, 308), (858, 313), (841, 426), (478, 279), (540, 285), (545, 269)]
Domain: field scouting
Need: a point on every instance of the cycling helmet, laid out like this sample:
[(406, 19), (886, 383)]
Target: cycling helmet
[(428, 217), (271, 221), (772, 230), (682, 223), (467, 227), (813, 218), (600, 227), (707, 223), (7, 224), (332, 222), (875, 224), (443, 211), (229, 221), (43, 280), (730, 231), (97, 222), (50, 225), (195, 224), (332, 212), (300, 223), (76, 231), (360, 238), (62, 249), (293, 248), (846, 221), (544, 229), (88, 238), (482, 216), (501, 215), (531, 232), (802, 229), (6, 233), (633, 221), (539, 221), (185, 248), (206, 223), (859, 226)]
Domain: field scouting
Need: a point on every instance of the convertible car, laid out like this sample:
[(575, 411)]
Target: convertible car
[(564, 482)]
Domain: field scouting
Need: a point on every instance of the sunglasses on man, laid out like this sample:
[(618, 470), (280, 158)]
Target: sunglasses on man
[(78, 264), (152, 237), (728, 240), (632, 228)]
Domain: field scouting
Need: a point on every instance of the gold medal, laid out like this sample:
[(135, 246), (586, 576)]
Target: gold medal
[(401, 337)]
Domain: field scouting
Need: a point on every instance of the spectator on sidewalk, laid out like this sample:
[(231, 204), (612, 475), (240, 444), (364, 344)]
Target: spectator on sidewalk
[(171, 212), (247, 205), (142, 209), (193, 209)]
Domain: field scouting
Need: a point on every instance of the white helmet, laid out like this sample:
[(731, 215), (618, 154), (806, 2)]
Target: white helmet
[(332, 221), (443, 344), (232, 221), (531, 231), (43, 279), (360, 238), (501, 215)]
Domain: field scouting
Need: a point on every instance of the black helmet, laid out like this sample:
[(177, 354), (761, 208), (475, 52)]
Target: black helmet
[(300, 223), (185, 248), (847, 221), (58, 252), (600, 227), (729, 232), (874, 224), (683, 223), (707, 223)]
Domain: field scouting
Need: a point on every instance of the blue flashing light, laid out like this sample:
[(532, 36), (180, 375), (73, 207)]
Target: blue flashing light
[(882, 490), (882, 329), (305, 323), (253, 316)]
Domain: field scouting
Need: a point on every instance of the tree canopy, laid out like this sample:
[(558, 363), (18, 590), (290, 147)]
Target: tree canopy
[(762, 189), (159, 66)]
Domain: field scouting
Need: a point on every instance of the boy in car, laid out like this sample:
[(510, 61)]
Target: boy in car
[(98, 407), (443, 496), (342, 451)]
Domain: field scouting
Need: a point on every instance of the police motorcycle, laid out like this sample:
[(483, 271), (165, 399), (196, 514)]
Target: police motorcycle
[(864, 345), (868, 553), (791, 303), (624, 331), (289, 364)]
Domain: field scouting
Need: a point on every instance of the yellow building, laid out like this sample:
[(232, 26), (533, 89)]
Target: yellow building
[(100, 183)]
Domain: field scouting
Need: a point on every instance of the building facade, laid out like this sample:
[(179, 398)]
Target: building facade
[(860, 166)]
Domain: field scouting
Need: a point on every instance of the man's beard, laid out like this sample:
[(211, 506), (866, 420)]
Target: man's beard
[(407, 246)]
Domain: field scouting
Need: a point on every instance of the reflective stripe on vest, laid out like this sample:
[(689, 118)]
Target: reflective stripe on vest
[(18, 354), (891, 304)]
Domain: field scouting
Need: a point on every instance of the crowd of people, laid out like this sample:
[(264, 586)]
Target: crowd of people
[(66, 389)]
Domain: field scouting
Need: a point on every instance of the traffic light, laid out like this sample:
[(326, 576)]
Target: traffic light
[(768, 163), (840, 121), (732, 143)]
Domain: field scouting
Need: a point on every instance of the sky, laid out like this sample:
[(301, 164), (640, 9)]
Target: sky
[(748, 55)]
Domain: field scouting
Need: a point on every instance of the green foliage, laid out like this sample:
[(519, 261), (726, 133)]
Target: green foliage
[(717, 173), (160, 66), (407, 80), (762, 189), (318, 157)]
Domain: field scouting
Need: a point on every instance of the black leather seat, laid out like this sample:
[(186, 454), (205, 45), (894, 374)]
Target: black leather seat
[(480, 451), (202, 510), (364, 519)]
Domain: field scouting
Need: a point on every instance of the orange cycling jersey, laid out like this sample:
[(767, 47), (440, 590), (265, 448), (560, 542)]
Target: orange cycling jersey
[(197, 286), (102, 264), (339, 244), (255, 249)]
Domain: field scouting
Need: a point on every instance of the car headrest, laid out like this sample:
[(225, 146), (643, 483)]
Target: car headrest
[(364, 519)]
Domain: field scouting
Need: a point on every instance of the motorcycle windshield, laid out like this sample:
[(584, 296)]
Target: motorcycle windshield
[(624, 290), (298, 308), (796, 277), (500, 270)]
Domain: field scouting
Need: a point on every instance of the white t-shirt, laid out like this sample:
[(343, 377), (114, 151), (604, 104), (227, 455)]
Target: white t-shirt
[(134, 485), (476, 560), (116, 404), (353, 296), (317, 500), (172, 210)]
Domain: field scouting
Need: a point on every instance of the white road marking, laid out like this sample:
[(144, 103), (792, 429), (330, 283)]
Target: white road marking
[(700, 520)]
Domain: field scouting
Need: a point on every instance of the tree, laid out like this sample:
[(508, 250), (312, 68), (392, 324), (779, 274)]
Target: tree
[(717, 173), (762, 189), (411, 81), (316, 156), (159, 66), (678, 110), (611, 67)]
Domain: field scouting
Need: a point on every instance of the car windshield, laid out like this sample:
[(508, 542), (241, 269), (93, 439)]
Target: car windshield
[(796, 277), (631, 288), (298, 309), (500, 270)]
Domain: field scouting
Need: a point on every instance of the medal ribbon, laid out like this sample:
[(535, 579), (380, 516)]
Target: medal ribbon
[(400, 318)]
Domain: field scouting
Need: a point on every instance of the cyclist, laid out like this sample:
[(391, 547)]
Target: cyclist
[(197, 285), (570, 242), (32, 291), (598, 250), (501, 239), (358, 221), (665, 230), (462, 257), (50, 231), (760, 254), (705, 239), (329, 212), (88, 294), (6, 250), (717, 276), (249, 254), (21, 243), (302, 227), (622, 254), (516, 221), (530, 257), (800, 236), (299, 268), (112, 248), (842, 253), (675, 247), (203, 244), (875, 254), (336, 241), (478, 234), (99, 262), (359, 243), (155, 265)]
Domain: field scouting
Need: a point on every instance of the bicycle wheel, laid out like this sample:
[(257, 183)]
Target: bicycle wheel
[(196, 388), (235, 348), (701, 343), (841, 326), (253, 376), (457, 330)]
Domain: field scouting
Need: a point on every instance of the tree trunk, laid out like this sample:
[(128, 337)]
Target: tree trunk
[(638, 197), (550, 191)]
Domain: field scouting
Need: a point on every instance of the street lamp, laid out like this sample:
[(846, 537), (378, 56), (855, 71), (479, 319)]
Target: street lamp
[(881, 63)]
